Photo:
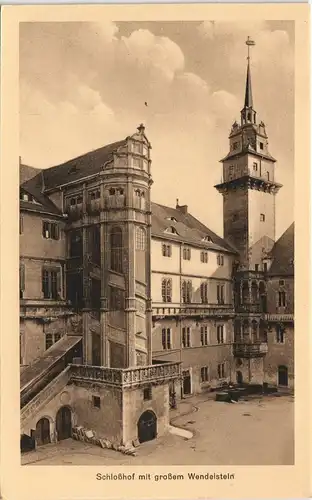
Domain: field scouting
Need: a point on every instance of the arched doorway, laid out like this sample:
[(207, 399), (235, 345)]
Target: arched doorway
[(283, 376), (147, 426), (63, 423), (239, 377), (42, 433)]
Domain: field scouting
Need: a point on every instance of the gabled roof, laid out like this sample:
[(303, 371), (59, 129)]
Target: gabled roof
[(189, 229), (33, 186), (85, 165), (282, 254), (26, 172)]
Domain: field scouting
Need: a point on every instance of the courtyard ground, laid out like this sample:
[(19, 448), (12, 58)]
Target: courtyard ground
[(259, 431)]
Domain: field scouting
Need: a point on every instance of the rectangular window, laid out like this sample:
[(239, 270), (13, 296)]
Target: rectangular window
[(220, 294), (147, 393), (204, 374), (204, 335), (186, 292), (256, 267), (166, 290), (255, 166), (261, 145), (137, 147), (204, 257), (186, 336), (221, 370), (186, 254), (22, 280), (281, 282), (220, 260), (50, 230), (265, 267), (116, 299), (268, 176), (220, 334), (96, 401), (94, 195), (166, 338), (138, 163), (262, 217), (281, 299), (51, 283), (235, 145), (166, 250), (204, 293), (51, 338), (280, 334)]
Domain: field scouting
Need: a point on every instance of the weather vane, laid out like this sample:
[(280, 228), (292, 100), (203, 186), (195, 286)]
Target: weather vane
[(249, 42)]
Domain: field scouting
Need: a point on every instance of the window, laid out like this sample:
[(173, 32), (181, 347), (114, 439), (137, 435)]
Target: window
[(262, 217), (280, 334), (261, 145), (204, 374), (116, 250), (220, 334), (186, 292), (116, 299), (255, 166), (75, 243), (147, 393), (204, 293), (51, 283), (235, 145), (50, 230), (140, 238), (139, 199), (166, 338), (138, 162), (256, 267), (220, 260), (281, 299), (96, 402), (76, 200), (268, 176), (166, 290), (94, 195), (22, 280), (21, 228), (220, 294), (51, 338), (137, 147), (265, 267), (204, 335), (221, 370), (204, 257), (231, 171), (166, 250), (281, 283), (186, 336), (186, 254)]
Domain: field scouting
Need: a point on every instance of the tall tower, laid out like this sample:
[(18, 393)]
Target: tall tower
[(249, 185)]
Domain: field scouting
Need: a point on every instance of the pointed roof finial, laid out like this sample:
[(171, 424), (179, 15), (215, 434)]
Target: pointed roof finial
[(248, 91), (141, 128)]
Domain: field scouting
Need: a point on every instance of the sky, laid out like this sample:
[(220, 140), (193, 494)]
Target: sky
[(84, 85)]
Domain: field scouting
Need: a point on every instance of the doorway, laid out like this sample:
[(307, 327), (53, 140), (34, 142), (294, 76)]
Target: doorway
[(283, 376), (147, 426), (186, 383), (42, 433), (239, 377), (63, 423)]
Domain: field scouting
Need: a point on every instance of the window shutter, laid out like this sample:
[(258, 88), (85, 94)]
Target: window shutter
[(57, 232)]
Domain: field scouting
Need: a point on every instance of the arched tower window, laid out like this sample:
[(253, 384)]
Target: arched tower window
[(116, 249), (140, 239)]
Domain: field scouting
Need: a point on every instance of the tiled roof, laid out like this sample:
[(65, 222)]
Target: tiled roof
[(188, 228), (282, 254), (26, 172), (82, 166)]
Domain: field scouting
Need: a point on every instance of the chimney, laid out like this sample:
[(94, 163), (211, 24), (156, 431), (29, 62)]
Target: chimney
[(182, 208)]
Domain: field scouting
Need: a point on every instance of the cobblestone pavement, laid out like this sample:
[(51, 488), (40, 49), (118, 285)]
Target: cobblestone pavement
[(255, 432)]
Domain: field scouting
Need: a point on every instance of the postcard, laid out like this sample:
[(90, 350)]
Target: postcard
[(155, 252)]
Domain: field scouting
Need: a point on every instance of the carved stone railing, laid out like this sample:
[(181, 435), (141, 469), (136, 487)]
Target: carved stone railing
[(126, 377), (279, 317), (194, 310), (250, 308), (249, 350), (46, 394)]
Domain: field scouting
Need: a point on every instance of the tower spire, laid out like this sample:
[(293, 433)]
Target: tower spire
[(248, 114)]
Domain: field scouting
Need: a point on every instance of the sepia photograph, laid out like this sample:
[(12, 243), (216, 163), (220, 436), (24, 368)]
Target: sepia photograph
[(157, 243), (152, 166)]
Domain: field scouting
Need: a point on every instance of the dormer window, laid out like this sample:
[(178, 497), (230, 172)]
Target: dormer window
[(255, 166), (27, 197), (207, 238), (262, 217), (171, 230), (235, 145), (73, 169), (172, 219), (261, 145)]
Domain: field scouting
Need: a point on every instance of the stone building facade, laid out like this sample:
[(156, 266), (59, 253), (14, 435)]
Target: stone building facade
[(125, 303)]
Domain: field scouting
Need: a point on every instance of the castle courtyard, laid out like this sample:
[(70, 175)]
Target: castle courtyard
[(258, 431)]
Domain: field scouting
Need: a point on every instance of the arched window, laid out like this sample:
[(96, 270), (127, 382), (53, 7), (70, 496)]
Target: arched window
[(116, 250), (140, 238), (166, 290)]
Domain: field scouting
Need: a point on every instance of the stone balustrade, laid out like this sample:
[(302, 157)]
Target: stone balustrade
[(279, 317), (249, 349)]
